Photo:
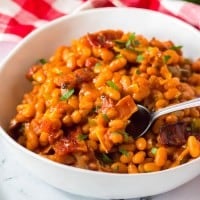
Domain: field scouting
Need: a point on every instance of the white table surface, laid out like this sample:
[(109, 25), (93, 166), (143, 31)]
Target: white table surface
[(17, 183)]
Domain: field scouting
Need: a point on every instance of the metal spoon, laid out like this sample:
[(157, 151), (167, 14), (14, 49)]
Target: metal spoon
[(141, 121)]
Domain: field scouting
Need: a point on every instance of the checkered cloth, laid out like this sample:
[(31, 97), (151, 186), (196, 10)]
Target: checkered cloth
[(19, 17)]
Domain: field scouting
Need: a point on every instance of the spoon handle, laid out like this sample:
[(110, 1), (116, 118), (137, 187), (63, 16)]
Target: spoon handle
[(180, 106)]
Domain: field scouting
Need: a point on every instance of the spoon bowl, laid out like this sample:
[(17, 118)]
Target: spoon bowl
[(141, 121)]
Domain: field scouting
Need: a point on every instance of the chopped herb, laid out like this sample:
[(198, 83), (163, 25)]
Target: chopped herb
[(82, 137), (98, 64), (166, 58), (154, 150), (118, 56), (97, 67), (42, 61), (176, 47), (123, 151), (96, 109), (137, 71), (126, 136), (120, 43), (195, 124), (105, 117), (67, 94), (139, 58), (116, 168), (112, 85), (106, 159), (130, 40)]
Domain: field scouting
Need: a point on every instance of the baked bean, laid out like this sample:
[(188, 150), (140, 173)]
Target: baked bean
[(139, 157), (151, 167), (132, 169), (117, 64), (194, 146), (161, 156), (141, 143), (127, 157), (118, 167), (116, 137), (171, 119)]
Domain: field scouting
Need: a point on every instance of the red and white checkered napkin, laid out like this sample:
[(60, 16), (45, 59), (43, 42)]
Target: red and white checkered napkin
[(20, 17)]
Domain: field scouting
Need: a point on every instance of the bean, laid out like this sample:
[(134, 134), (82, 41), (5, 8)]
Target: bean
[(194, 146), (151, 167), (44, 138), (118, 167), (161, 156), (139, 157), (126, 158), (116, 137), (141, 143), (117, 64), (132, 169), (171, 119)]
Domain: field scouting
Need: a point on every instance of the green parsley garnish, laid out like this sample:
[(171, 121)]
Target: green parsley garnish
[(106, 159), (82, 137), (123, 151), (67, 94), (42, 61), (126, 136), (105, 117), (120, 43), (137, 71), (116, 168), (154, 150), (176, 47), (166, 58), (98, 64), (112, 85), (132, 42), (139, 58)]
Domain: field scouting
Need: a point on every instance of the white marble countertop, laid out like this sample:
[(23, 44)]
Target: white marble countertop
[(17, 183)]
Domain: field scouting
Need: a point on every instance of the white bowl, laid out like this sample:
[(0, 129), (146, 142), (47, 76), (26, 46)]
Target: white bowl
[(42, 43)]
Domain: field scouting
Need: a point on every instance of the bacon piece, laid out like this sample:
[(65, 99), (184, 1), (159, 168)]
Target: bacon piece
[(126, 107), (173, 134), (70, 143), (106, 104), (177, 134), (104, 38), (74, 79)]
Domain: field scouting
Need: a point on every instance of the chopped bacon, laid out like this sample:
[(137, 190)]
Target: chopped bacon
[(83, 75), (177, 134), (126, 107), (104, 38), (173, 134), (76, 78), (106, 104), (70, 143)]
